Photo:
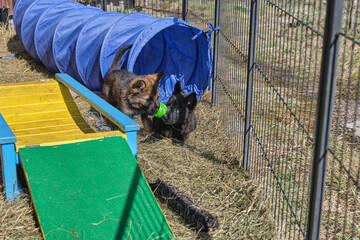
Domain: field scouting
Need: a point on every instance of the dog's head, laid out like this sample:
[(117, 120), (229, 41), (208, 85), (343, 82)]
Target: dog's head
[(180, 106), (180, 119), (145, 93)]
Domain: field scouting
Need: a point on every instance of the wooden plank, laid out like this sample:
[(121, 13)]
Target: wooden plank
[(49, 120), (54, 139), (30, 99), (37, 116), (27, 88), (8, 110), (17, 84), (45, 123), (58, 129), (8, 4), (19, 94), (47, 136)]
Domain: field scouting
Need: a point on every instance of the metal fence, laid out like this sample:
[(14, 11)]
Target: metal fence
[(286, 77), (288, 81)]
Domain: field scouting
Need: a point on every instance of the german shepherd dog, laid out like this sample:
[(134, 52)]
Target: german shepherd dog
[(180, 120), (130, 93)]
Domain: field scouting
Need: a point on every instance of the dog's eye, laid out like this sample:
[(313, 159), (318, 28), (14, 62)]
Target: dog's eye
[(174, 105), (171, 102)]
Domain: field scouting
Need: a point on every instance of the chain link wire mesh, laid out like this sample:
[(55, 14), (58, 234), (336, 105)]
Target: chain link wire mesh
[(286, 71), (341, 212), (160, 8), (289, 44)]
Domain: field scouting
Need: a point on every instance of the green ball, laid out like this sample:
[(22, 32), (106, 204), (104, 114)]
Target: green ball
[(162, 110)]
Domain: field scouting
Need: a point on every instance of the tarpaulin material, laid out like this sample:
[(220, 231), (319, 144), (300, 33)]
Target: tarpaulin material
[(66, 35), (82, 41)]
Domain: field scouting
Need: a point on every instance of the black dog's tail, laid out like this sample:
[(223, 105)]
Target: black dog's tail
[(117, 60)]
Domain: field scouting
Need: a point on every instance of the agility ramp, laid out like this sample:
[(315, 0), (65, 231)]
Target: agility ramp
[(84, 184), (44, 113), (92, 190)]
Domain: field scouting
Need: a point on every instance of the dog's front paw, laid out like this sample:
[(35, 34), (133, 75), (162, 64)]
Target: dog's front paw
[(151, 138), (103, 125)]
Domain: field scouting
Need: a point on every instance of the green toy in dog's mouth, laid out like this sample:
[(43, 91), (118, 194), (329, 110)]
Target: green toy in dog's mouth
[(162, 110)]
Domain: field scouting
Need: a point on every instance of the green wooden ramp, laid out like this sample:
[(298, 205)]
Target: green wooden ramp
[(92, 190)]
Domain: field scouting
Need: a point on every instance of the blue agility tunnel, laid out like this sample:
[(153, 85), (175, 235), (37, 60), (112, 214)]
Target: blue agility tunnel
[(82, 41)]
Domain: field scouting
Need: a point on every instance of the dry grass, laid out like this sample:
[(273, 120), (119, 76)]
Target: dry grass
[(21, 68), (284, 107), (17, 220), (205, 167)]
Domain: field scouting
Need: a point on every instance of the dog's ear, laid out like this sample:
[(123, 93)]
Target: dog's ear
[(177, 87), (157, 76), (160, 75), (191, 101), (138, 85)]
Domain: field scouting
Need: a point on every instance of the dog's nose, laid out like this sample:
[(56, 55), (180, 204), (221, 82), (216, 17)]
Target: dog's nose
[(152, 108), (156, 107), (153, 111)]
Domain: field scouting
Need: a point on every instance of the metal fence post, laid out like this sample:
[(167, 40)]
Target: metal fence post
[(327, 87), (184, 9), (103, 5), (250, 79), (215, 50)]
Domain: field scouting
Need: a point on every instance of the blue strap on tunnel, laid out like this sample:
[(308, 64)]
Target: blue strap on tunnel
[(12, 56), (208, 32)]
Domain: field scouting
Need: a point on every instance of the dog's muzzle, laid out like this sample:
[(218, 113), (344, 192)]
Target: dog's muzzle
[(172, 116)]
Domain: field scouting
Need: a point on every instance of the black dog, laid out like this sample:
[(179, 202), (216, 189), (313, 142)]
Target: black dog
[(180, 120)]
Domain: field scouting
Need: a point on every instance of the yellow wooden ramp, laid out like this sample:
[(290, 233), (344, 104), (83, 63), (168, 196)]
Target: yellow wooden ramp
[(44, 113)]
